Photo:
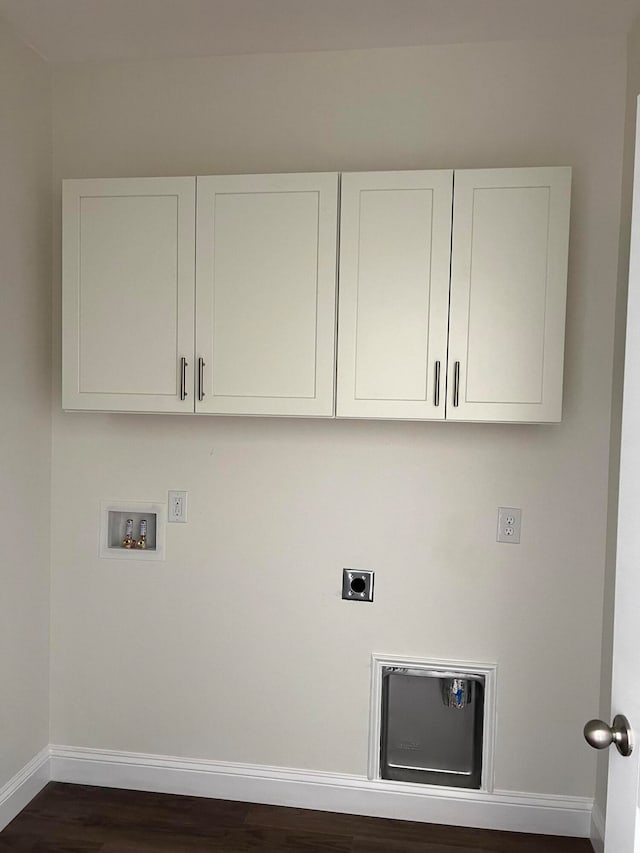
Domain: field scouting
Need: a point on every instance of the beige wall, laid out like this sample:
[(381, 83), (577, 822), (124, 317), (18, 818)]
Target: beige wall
[(633, 90), (238, 647), (25, 419)]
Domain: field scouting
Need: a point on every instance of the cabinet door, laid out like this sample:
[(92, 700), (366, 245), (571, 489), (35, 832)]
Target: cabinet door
[(265, 294), (128, 294), (508, 294), (395, 242)]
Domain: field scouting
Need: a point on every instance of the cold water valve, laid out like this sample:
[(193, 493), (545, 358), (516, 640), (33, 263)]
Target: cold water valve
[(455, 692)]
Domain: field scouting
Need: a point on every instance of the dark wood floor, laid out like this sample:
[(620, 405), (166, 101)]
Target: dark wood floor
[(80, 819)]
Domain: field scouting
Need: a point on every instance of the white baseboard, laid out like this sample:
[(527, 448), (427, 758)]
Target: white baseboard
[(597, 829), (507, 810), (19, 791)]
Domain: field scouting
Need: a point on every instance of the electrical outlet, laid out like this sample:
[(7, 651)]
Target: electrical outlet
[(509, 524), (178, 507), (357, 585)]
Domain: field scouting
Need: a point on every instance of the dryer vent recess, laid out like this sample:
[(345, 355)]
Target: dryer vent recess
[(432, 726)]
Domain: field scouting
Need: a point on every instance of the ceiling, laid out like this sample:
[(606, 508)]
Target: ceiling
[(98, 30)]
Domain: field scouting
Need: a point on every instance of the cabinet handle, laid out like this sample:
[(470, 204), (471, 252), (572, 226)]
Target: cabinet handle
[(436, 390), (456, 383), (183, 378), (201, 366)]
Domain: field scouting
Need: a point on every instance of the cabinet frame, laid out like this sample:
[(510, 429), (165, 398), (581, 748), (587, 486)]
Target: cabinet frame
[(318, 188), (553, 188), (181, 376), (370, 201)]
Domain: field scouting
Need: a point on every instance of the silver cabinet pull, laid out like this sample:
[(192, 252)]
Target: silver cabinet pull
[(436, 390), (456, 383), (183, 378), (201, 366)]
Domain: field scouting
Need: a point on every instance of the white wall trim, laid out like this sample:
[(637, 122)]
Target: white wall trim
[(23, 787), (597, 829), (489, 670), (507, 810)]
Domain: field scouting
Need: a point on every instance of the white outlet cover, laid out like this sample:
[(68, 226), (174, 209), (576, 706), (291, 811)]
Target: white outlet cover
[(509, 525), (177, 507)]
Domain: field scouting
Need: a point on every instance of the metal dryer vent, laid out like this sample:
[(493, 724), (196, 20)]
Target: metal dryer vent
[(432, 727)]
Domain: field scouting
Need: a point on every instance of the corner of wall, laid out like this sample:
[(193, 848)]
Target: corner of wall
[(25, 455)]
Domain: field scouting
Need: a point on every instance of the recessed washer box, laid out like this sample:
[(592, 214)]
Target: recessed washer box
[(113, 524)]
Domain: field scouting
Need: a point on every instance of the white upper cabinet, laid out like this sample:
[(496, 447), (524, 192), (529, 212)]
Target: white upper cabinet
[(218, 294), (469, 327), (508, 294), (128, 294), (395, 238), (266, 294)]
